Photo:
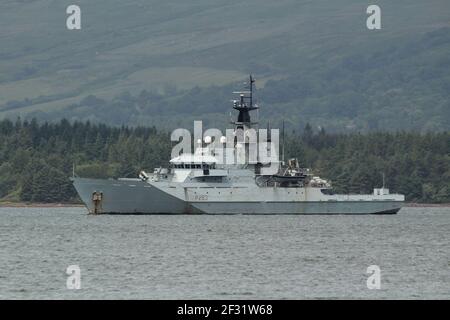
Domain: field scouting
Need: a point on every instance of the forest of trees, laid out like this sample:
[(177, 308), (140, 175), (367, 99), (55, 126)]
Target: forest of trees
[(36, 159)]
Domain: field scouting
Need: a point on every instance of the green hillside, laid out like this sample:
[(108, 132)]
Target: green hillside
[(167, 63)]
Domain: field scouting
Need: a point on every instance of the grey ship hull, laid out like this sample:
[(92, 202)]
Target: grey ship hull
[(138, 197)]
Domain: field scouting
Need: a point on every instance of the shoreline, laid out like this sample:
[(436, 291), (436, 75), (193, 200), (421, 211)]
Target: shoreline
[(80, 205), (427, 205), (39, 205)]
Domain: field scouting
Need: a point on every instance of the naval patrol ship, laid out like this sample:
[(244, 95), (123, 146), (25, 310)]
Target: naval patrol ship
[(201, 183)]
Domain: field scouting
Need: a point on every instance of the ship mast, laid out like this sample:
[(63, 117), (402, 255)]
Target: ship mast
[(244, 105), (243, 122), (251, 82)]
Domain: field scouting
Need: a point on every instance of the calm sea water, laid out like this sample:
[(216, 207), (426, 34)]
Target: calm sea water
[(223, 257)]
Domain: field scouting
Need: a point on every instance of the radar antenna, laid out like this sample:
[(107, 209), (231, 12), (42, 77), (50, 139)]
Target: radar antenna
[(244, 105)]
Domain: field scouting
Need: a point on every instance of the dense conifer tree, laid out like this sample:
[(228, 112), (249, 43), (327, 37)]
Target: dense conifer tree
[(36, 159)]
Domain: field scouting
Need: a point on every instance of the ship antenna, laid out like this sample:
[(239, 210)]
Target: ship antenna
[(383, 179), (251, 90), (282, 154)]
